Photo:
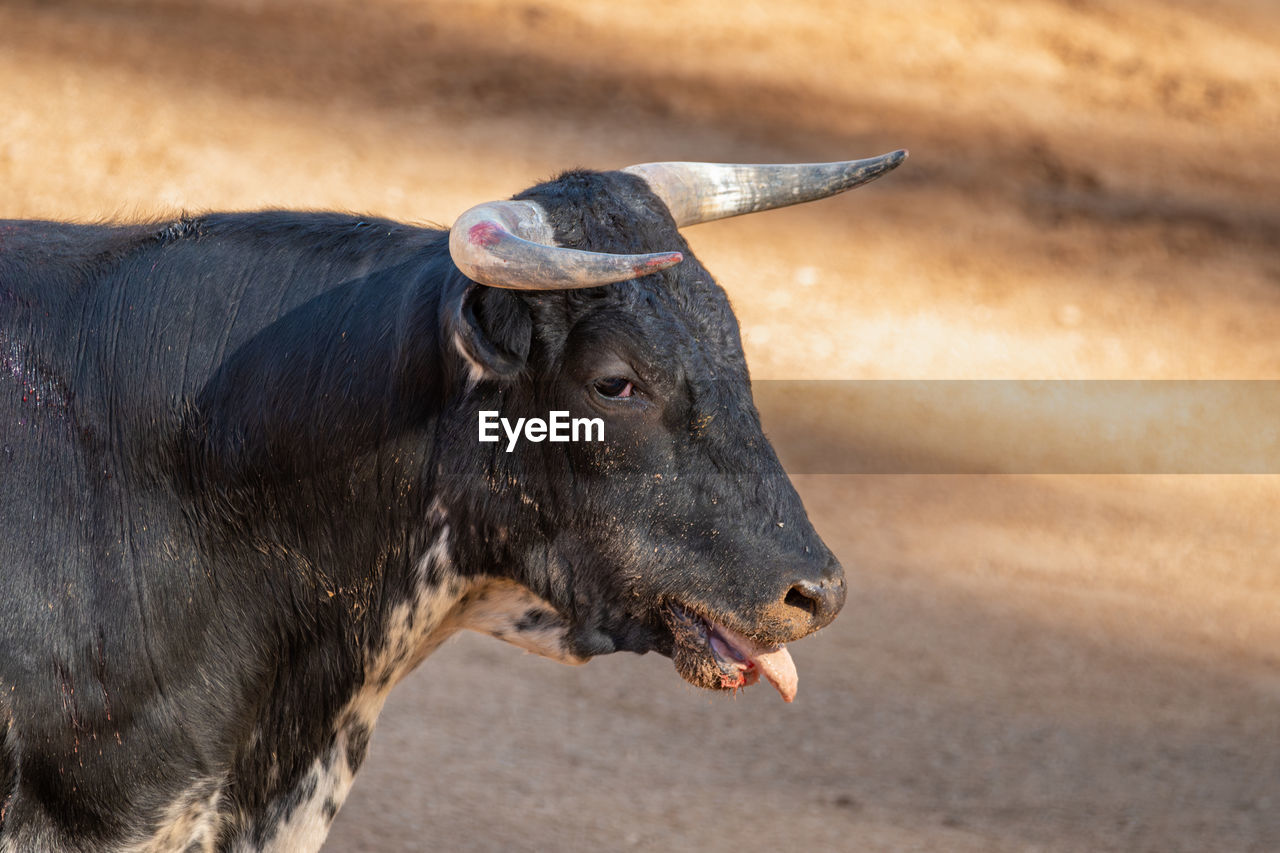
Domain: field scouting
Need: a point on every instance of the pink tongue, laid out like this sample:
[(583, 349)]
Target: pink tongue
[(774, 664), (780, 669)]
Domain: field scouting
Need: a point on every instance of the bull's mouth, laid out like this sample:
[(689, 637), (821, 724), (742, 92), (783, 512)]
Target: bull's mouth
[(708, 654)]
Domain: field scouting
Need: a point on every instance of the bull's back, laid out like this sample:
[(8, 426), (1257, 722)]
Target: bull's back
[(110, 335)]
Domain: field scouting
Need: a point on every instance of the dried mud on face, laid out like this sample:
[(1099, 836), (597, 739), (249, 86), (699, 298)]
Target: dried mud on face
[(1026, 662)]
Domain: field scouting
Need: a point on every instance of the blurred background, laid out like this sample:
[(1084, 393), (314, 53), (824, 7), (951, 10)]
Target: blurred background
[(1027, 662)]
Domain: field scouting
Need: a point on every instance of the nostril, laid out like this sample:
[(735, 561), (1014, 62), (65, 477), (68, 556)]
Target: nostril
[(798, 597)]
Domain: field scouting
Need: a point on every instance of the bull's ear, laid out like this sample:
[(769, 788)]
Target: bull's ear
[(492, 332)]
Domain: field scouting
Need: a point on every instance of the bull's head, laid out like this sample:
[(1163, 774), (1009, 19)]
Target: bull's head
[(680, 531)]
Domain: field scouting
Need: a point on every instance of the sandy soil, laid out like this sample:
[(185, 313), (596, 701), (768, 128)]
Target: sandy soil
[(1027, 662)]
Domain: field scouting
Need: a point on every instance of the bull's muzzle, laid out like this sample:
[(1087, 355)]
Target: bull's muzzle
[(821, 599), (810, 599)]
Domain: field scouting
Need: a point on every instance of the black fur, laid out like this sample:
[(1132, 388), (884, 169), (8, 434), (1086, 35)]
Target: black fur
[(222, 439)]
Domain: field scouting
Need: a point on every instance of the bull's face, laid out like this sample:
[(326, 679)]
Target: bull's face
[(678, 530)]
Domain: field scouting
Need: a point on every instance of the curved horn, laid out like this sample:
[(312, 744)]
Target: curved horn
[(511, 244), (701, 192)]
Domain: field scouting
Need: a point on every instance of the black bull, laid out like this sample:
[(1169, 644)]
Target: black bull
[(242, 491)]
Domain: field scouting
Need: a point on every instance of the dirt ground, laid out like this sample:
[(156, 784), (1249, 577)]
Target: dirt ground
[(1030, 662)]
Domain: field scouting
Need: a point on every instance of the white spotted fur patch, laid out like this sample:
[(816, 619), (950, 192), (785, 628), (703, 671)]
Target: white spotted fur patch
[(303, 817), (190, 823), (496, 606), (504, 609)]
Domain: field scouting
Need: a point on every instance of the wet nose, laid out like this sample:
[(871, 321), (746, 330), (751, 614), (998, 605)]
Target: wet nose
[(821, 599)]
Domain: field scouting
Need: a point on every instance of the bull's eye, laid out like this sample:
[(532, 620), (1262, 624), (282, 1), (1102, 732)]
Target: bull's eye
[(614, 387)]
